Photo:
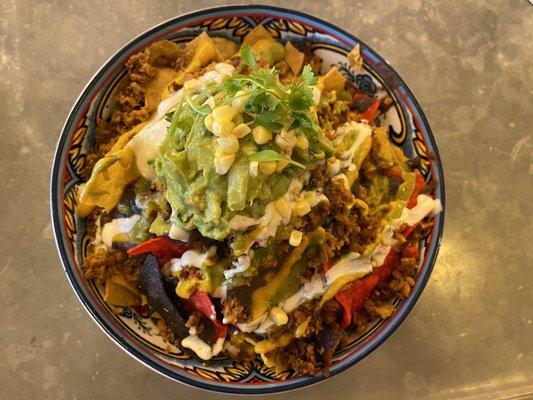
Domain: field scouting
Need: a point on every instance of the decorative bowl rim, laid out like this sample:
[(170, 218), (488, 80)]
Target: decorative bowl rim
[(389, 326)]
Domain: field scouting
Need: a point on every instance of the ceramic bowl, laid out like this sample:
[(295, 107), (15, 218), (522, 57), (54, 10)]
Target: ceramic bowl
[(133, 329)]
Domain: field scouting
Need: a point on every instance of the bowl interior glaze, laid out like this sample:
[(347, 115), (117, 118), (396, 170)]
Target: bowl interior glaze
[(133, 330)]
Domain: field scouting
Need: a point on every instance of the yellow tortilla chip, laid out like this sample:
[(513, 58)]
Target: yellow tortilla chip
[(294, 58), (202, 50), (225, 47), (333, 80), (256, 34), (119, 292), (110, 176)]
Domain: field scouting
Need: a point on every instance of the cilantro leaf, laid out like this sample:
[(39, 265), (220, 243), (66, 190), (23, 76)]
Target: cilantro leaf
[(248, 56), (308, 77), (259, 102), (266, 77), (271, 119), (232, 86), (271, 155), (300, 98)]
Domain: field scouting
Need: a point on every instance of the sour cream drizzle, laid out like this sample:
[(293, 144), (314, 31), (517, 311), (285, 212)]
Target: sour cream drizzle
[(201, 348), (116, 227)]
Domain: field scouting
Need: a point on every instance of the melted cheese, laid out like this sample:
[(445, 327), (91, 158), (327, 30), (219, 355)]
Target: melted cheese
[(315, 287), (248, 326), (168, 104), (425, 206), (379, 254)]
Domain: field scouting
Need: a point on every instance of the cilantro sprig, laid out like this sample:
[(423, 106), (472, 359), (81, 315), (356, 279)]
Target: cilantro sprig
[(273, 104), (271, 155)]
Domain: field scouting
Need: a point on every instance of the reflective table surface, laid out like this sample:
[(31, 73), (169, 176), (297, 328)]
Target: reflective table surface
[(470, 65)]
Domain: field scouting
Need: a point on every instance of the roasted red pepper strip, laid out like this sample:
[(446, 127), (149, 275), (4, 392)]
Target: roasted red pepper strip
[(420, 183), (162, 247), (353, 298), (407, 231), (371, 112), (201, 301), (410, 252)]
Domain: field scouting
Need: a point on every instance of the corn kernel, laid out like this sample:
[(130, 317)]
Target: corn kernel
[(301, 330), (241, 130), (261, 135), (343, 180), (222, 127), (225, 112), (310, 197), (228, 144), (289, 136), (281, 165), (302, 207), (283, 208), (302, 142), (285, 140), (208, 122), (239, 101), (295, 238), (281, 143), (254, 168), (209, 76), (224, 163), (333, 166), (264, 346), (267, 167), (278, 316)]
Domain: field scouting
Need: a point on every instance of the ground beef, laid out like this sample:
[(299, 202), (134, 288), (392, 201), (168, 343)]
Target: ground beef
[(141, 70), (379, 305), (313, 351), (233, 310), (101, 264), (299, 355), (319, 177), (347, 226), (195, 322)]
